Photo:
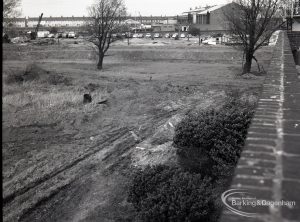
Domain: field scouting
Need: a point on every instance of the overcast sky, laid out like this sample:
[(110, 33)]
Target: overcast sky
[(34, 8)]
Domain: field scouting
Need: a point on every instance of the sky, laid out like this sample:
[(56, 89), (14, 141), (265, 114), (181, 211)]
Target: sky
[(33, 8)]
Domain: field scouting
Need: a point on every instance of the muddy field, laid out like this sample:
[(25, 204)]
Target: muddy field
[(68, 161)]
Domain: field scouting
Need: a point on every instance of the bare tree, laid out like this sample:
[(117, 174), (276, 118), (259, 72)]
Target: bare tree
[(10, 8), (106, 17), (253, 22)]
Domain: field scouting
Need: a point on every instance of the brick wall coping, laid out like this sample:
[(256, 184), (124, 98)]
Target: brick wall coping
[(269, 167)]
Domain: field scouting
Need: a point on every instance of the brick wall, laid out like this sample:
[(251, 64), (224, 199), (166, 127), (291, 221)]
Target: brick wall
[(294, 38), (269, 167)]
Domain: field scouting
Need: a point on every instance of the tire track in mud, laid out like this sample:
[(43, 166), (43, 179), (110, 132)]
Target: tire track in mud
[(41, 190), (112, 136), (77, 171)]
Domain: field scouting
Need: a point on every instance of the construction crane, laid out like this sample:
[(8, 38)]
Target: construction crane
[(33, 35)]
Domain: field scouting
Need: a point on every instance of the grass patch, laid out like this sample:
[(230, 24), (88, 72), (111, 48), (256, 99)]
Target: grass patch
[(33, 94)]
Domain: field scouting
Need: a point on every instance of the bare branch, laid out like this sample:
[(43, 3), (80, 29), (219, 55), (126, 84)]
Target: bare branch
[(105, 15), (254, 22), (10, 8)]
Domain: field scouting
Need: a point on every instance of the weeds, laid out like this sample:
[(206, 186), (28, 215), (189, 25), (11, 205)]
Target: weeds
[(32, 90)]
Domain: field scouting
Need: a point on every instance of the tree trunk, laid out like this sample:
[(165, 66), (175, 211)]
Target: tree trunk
[(199, 39), (248, 63), (100, 61)]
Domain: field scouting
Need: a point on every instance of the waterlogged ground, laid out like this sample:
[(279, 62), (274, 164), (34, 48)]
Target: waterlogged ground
[(68, 161)]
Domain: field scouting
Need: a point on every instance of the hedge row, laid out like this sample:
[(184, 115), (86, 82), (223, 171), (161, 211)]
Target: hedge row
[(209, 144)]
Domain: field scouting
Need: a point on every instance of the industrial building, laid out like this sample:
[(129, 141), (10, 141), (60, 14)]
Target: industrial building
[(210, 18)]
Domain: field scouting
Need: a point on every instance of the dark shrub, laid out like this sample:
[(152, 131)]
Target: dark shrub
[(194, 31), (210, 142), (163, 193), (34, 72), (14, 78), (53, 30), (56, 79)]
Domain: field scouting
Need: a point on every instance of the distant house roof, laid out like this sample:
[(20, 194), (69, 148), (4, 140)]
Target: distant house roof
[(60, 18), (131, 21)]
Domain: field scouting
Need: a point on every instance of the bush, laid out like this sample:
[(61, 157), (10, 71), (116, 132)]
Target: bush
[(194, 31), (35, 73), (163, 193), (53, 30), (211, 142), (209, 145), (14, 78)]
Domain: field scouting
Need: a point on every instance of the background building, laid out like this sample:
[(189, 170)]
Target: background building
[(140, 23), (210, 18)]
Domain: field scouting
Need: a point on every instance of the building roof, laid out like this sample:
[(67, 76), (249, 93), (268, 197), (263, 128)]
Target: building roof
[(84, 18), (213, 8), (59, 18), (151, 17), (194, 10), (131, 21)]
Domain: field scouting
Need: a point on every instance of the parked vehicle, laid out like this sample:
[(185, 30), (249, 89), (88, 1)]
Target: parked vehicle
[(119, 36), (167, 35), (233, 41), (71, 35), (140, 35), (128, 35), (157, 35), (210, 41), (59, 35), (136, 35), (148, 35), (64, 35), (175, 35), (51, 35), (42, 34), (182, 35)]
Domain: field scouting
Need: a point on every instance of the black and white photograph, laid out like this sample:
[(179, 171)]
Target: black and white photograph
[(151, 111)]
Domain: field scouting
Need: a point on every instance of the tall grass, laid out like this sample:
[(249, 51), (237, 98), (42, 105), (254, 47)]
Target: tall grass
[(38, 101)]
